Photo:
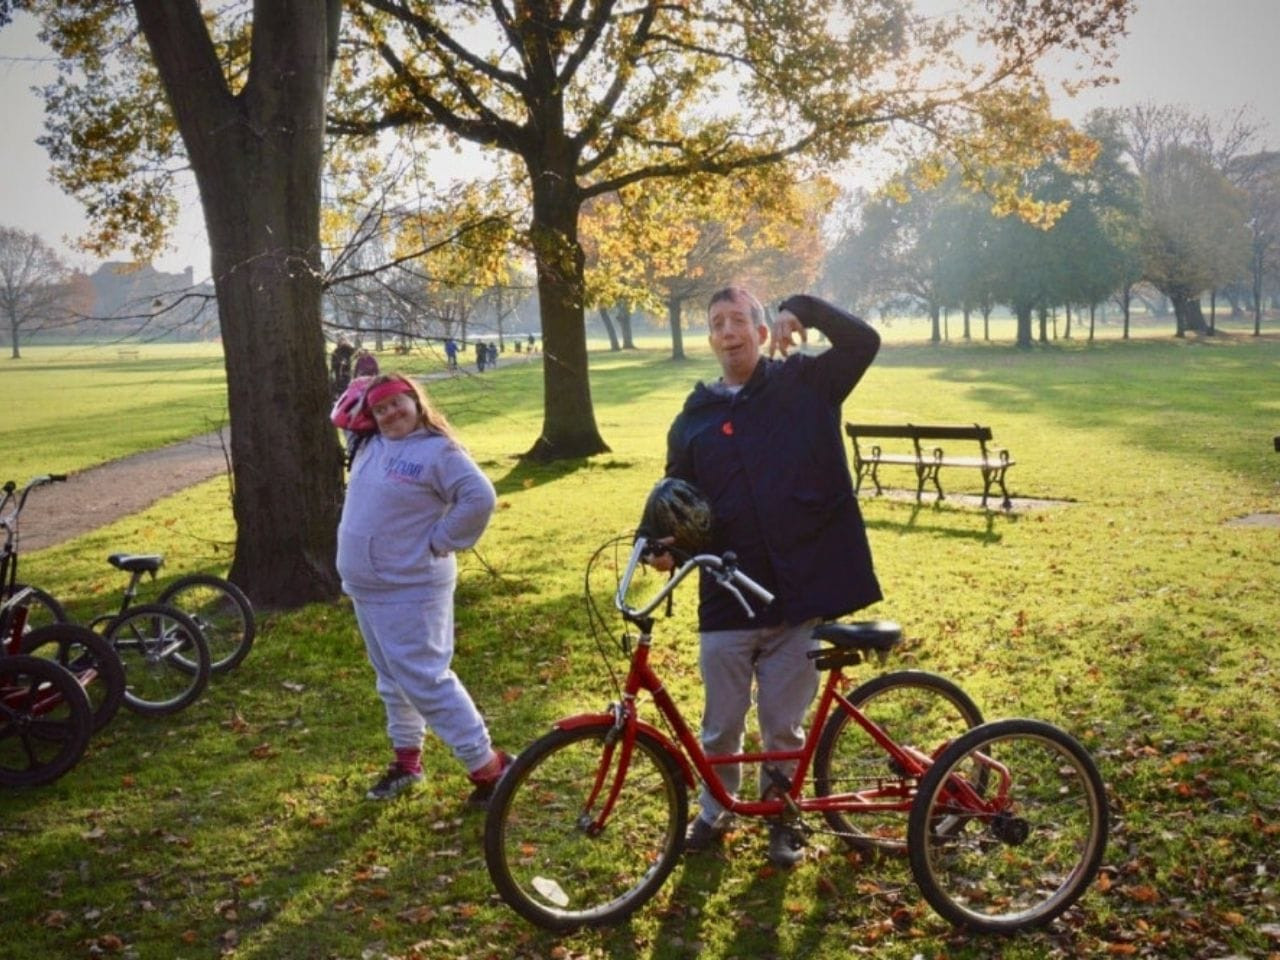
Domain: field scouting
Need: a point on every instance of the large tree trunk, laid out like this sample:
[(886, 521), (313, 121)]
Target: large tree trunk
[(1023, 313), (257, 159), (935, 318), (568, 419), (674, 317), (1188, 315)]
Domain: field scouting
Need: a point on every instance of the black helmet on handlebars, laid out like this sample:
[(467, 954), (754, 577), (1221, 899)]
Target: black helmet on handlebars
[(678, 510)]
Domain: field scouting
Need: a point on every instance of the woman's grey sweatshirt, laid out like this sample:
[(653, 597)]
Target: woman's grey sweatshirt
[(410, 504)]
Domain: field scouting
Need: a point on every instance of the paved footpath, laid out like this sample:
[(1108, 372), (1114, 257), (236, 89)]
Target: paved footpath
[(101, 495)]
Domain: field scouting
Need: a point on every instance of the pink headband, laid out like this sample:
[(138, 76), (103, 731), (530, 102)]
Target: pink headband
[(388, 388)]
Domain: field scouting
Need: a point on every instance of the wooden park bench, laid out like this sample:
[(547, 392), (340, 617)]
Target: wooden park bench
[(926, 458)]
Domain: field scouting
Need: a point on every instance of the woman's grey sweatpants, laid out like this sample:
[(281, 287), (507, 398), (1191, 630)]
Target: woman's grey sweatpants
[(786, 679), (410, 645)]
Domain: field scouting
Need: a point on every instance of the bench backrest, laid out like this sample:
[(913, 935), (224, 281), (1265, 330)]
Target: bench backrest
[(919, 431)]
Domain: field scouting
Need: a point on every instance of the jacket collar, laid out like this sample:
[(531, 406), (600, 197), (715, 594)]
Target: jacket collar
[(705, 396)]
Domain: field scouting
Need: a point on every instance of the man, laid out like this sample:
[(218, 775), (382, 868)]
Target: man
[(340, 365), (763, 444)]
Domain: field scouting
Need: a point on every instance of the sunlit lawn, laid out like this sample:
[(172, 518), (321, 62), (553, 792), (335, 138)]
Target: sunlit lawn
[(1133, 612)]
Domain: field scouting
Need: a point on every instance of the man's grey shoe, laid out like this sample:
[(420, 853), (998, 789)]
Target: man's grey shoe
[(702, 835), (786, 845)]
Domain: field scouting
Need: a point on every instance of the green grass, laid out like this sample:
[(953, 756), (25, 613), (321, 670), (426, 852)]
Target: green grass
[(1134, 615)]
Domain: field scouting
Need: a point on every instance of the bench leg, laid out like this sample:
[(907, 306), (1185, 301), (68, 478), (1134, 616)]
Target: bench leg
[(926, 472), (875, 476), (1008, 501), (866, 468), (991, 476)]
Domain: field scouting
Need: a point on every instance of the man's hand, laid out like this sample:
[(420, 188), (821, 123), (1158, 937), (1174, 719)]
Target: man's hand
[(658, 557), (784, 329)]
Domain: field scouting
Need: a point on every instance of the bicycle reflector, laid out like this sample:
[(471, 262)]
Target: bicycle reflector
[(678, 510)]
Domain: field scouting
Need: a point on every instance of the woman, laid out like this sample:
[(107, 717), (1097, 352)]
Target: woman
[(415, 498)]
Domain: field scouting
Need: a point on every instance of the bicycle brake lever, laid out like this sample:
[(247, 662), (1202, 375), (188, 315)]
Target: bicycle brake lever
[(738, 594)]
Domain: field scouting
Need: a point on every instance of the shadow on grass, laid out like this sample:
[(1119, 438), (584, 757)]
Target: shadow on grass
[(528, 473), (951, 524)]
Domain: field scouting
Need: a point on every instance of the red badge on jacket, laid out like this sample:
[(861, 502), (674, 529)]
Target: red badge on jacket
[(727, 428)]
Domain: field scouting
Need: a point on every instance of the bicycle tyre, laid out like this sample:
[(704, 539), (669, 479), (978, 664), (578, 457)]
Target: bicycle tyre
[(915, 708), (149, 639), (221, 611), (42, 608), (1034, 858), (547, 867), (77, 649), (45, 721)]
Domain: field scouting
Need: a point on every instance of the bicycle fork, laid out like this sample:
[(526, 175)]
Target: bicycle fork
[(622, 733)]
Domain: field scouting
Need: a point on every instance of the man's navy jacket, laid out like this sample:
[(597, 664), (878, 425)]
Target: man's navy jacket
[(771, 460)]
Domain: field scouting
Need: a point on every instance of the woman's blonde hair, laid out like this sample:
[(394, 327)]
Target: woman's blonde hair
[(432, 418)]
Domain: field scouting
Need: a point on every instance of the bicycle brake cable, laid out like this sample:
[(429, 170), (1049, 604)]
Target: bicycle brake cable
[(596, 621)]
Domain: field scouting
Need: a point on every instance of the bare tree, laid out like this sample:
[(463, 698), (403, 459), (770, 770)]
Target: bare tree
[(35, 285), (1165, 143)]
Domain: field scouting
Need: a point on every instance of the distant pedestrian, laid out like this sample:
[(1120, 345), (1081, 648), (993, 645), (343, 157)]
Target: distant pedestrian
[(451, 353), (340, 365), (493, 354), (482, 354), (532, 342), (366, 364)]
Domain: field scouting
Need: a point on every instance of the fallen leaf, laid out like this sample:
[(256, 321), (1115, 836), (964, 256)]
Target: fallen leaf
[(422, 914), (1143, 893)]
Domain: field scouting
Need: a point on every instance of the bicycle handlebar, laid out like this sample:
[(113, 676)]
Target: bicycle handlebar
[(10, 493), (723, 569)]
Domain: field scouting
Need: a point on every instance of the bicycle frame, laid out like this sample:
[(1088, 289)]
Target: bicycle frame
[(893, 794), (9, 550), (13, 613)]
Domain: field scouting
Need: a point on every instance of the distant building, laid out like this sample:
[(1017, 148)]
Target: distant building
[(137, 298)]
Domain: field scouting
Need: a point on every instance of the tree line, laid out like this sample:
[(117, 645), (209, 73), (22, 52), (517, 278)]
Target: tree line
[(1174, 204)]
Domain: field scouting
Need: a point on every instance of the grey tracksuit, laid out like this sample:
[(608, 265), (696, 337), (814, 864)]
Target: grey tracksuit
[(410, 504)]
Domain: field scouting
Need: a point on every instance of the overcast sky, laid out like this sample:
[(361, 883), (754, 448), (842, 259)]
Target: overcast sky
[(1209, 55)]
